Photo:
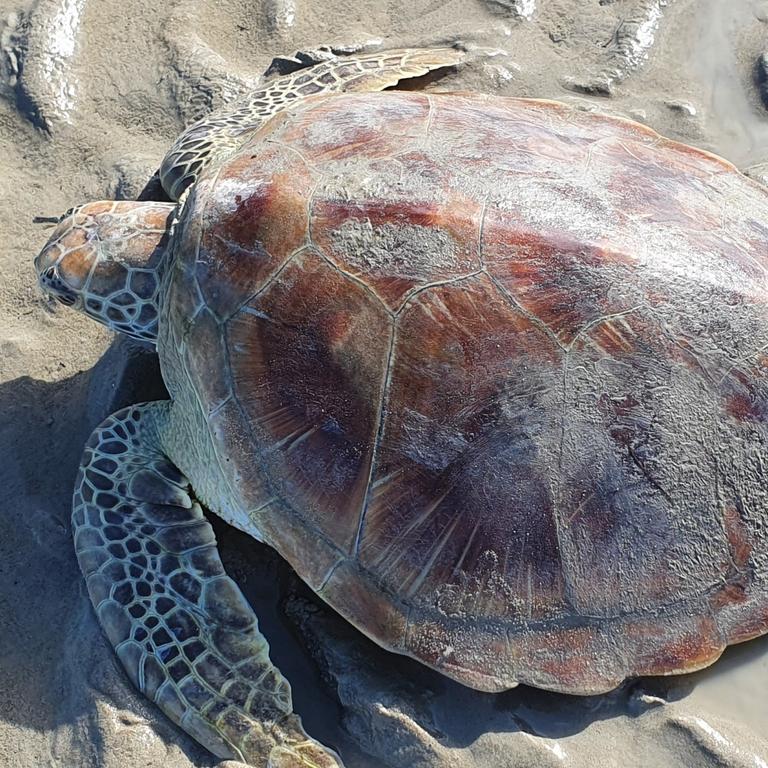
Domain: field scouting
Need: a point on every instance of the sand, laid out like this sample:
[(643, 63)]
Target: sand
[(91, 94)]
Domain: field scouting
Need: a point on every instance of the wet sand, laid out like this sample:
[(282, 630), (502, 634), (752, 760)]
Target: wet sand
[(92, 93)]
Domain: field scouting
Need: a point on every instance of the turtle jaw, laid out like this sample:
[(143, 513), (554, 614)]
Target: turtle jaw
[(52, 285)]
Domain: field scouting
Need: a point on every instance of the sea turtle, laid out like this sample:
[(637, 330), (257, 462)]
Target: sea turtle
[(490, 373)]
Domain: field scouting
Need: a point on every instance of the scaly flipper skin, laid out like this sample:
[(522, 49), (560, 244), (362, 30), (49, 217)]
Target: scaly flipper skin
[(180, 626), (220, 133)]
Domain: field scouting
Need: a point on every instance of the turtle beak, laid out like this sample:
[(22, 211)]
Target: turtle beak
[(52, 284)]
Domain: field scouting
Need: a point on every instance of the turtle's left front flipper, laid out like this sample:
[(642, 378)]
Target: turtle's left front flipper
[(181, 627)]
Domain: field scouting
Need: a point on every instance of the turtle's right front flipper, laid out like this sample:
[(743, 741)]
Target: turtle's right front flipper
[(221, 132), (181, 627)]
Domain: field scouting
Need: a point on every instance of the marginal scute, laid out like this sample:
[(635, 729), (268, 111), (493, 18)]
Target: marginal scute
[(182, 300), (206, 361), (374, 612), (231, 432), (586, 658), (696, 642)]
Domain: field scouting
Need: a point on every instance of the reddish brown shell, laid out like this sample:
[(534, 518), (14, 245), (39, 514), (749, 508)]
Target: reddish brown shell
[(491, 374)]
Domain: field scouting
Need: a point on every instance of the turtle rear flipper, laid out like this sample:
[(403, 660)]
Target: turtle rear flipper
[(180, 626)]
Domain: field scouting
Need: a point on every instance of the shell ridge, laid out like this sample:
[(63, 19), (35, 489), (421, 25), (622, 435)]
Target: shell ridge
[(354, 278), (419, 289), (429, 121), (270, 279), (379, 434), (515, 304)]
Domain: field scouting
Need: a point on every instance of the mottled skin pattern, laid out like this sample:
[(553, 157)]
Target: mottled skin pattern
[(179, 624), (489, 373)]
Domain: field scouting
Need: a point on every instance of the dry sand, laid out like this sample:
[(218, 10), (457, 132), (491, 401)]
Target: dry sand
[(91, 94)]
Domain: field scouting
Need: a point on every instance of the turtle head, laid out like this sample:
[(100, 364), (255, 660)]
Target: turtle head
[(105, 258)]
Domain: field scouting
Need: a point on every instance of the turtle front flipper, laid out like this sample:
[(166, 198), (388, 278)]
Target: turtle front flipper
[(181, 627), (222, 132)]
